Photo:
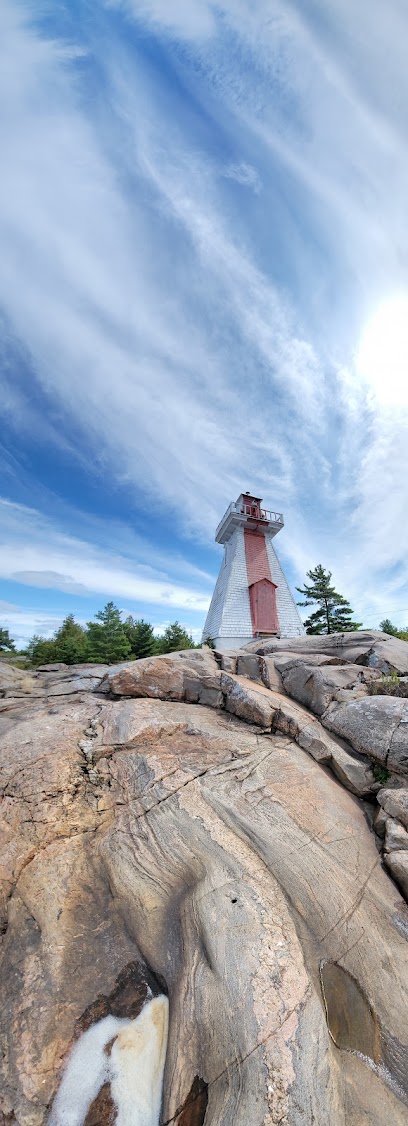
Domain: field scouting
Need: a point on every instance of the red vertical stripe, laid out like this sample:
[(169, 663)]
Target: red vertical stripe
[(257, 561), (262, 595)]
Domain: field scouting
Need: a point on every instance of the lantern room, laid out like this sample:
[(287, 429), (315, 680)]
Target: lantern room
[(248, 512)]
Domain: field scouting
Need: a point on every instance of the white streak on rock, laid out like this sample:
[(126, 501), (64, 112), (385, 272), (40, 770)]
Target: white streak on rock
[(134, 1068), (87, 1069), (137, 1065)]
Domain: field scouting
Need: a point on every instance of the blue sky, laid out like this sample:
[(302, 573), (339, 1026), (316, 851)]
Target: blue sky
[(203, 290)]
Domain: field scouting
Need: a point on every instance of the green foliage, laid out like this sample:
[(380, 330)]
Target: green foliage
[(71, 642), (31, 645), (387, 627), (381, 774), (107, 640), (6, 642), (69, 645), (174, 638), (334, 612), (40, 651), (209, 641), (390, 685), (140, 637)]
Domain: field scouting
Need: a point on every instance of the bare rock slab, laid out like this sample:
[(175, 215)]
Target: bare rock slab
[(174, 677), (15, 682), (353, 771), (250, 666), (271, 675), (317, 687), (227, 661), (377, 726), (396, 837), (251, 704), (365, 647), (154, 846), (395, 803), (398, 753), (397, 862)]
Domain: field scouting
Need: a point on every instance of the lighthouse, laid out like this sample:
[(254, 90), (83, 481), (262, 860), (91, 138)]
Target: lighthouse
[(251, 597)]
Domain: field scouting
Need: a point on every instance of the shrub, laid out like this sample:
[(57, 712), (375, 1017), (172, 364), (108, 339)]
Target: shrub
[(390, 685), (381, 774)]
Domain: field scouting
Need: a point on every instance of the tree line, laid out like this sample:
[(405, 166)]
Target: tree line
[(110, 639), (104, 641), (387, 627)]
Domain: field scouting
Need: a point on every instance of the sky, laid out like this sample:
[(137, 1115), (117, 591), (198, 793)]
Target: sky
[(203, 291)]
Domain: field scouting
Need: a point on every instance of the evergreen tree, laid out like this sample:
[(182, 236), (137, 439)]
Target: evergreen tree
[(31, 645), (334, 612), (140, 637), (173, 638), (41, 651), (6, 642), (107, 639), (387, 627), (69, 645), (71, 642)]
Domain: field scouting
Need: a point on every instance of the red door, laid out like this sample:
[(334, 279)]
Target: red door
[(262, 597)]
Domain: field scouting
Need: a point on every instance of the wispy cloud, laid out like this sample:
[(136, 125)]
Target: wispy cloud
[(243, 174), (114, 339), (23, 623), (189, 338), (188, 19), (37, 553)]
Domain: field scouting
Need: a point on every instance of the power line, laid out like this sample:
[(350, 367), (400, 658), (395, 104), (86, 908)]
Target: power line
[(384, 614), (403, 610)]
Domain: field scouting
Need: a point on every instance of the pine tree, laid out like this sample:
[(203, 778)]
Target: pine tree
[(6, 642), (107, 639), (173, 638), (387, 627), (140, 637), (334, 612), (31, 645), (40, 650), (71, 643)]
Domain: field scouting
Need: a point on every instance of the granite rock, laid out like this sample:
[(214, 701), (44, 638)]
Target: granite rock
[(15, 682), (364, 647), (159, 846), (242, 699), (317, 687), (377, 726), (166, 677), (395, 803), (397, 862), (396, 837)]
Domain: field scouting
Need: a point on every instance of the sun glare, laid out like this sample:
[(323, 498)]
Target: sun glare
[(382, 355)]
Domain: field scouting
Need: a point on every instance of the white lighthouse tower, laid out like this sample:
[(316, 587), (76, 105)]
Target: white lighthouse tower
[(251, 597)]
